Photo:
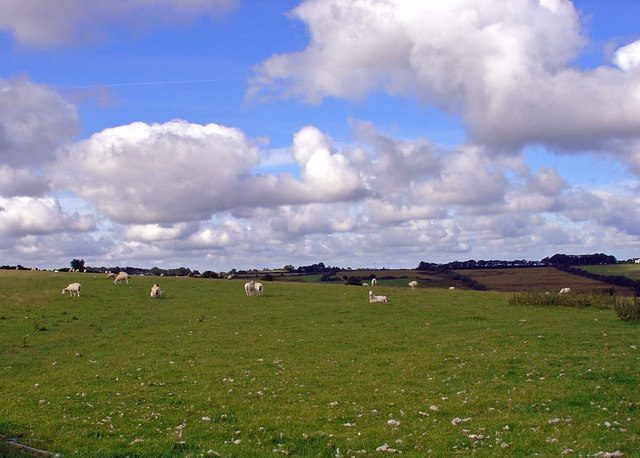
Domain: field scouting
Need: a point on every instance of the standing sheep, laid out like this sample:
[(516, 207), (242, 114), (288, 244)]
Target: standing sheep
[(155, 291), (374, 282), (413, 284), (122, 276), (259, 288), (72, 288), (250, 288)]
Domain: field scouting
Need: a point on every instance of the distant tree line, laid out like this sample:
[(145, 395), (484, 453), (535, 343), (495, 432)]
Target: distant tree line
[(579, 259), (481, 264), (555, 260)]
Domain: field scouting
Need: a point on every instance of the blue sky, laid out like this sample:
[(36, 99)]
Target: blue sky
[(220, 133)]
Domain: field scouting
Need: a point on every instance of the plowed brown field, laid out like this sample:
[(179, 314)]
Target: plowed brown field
[(537, 279)]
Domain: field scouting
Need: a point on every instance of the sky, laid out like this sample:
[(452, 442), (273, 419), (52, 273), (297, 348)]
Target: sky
[(220, 134)]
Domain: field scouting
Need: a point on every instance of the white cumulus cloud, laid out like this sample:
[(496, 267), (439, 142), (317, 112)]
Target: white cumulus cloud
[(179, 171), (506, 67), (28, 215), (628, 57), (34, 121)]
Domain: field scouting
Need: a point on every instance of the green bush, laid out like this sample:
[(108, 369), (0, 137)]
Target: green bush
[(562, 300), (627, 308)]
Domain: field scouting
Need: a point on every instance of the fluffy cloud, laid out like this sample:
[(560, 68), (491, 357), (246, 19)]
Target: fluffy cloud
[(325, 172), (21, 182), (28, 215), (158, 173), (34, 121), (43, 24), (628, 57), (506, 68), (177, 171), (157, 232)]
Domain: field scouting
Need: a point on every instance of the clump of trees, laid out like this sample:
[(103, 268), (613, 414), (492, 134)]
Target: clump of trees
[(579, 259)]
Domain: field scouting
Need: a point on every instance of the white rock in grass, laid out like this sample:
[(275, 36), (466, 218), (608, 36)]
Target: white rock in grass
[(553, 421), (615, 454), (456, 421), (394, 423), (476, 437), (386, 448), (206, 419), (434, 408)]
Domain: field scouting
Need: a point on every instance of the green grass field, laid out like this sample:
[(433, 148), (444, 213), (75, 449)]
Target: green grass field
[(309, 370), (626, 270)]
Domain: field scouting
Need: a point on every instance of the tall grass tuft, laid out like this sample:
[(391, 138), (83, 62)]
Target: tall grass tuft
[(627, 308), (563, 300)]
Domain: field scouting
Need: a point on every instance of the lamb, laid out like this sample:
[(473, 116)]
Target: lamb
[(374, 298), (110, 274), (155, 291), (250, 288), (413, 284), (374, 282), (122, 276), (565, 291), (72, 288), (259, 288)]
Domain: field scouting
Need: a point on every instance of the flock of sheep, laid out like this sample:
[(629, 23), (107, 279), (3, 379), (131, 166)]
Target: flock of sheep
[(74, 288), (250, 288)]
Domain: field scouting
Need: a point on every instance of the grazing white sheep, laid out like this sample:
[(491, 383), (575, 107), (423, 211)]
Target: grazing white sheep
[(155, 291), (71, 289), (231, 277), (374, 282), (452, 287), (110, 274), (374, 298), (413, 284), (365, 284), (122, 276), (565, 291), (250, 288), (259, 288)]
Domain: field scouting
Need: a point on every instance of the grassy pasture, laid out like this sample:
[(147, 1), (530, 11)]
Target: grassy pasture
[(626, 270), (537, 279), (308, 369)]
